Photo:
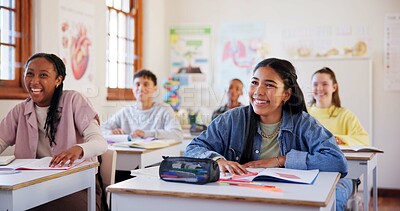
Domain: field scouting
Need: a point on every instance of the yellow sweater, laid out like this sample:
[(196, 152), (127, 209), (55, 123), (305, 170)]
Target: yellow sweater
[(343, 124)]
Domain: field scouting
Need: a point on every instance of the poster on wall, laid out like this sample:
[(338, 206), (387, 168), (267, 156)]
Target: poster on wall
[(326, 41), (392, 52), (239, 46), (76, 33), (190, 53)]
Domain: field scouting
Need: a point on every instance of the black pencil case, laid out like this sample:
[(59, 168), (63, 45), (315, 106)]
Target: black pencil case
[(189, 170)]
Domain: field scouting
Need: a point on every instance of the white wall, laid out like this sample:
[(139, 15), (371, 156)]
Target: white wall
[(160, 14), (308, 13)]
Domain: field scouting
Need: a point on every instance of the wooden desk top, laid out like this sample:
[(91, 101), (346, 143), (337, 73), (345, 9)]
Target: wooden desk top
[(129, 150), (30, 177), (317, 195)]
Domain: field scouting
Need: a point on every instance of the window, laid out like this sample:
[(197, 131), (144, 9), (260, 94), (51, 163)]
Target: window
[(15, 46), (124, 46)]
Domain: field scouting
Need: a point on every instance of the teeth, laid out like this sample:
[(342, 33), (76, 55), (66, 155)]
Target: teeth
[(260, 101), (36, 91)]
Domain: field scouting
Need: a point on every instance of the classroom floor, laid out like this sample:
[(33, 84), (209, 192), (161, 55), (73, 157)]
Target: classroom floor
[(387, 203)]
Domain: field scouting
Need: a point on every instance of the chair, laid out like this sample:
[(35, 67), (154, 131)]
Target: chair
[(107, 169)]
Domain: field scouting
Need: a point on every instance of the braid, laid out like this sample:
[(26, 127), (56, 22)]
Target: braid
[(53, 115)]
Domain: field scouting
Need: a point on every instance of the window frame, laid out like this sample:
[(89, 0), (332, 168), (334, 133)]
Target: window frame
[(15, 89), (127, 93)]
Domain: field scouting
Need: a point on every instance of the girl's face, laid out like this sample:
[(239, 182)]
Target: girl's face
[(323, 88), (143, 89), (41, 80), (267, 94)]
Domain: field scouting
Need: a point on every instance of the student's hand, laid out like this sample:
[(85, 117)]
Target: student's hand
[(70, 155), (231, 166), (118, 131), (339, 141), (138, 134), (264, 163)]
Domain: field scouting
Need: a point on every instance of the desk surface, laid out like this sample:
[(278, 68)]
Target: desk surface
[(317, 195), (30, 177), (362, 156)]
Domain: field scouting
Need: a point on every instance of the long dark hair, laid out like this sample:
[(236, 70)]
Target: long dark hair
[(335, 95), (294, 105), (53, 116)]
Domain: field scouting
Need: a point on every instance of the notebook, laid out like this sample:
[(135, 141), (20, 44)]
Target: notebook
[(278, 175), (360, 149), (146, 144), (42, 164)]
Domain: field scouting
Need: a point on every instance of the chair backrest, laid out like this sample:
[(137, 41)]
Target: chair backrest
[(107, 169)]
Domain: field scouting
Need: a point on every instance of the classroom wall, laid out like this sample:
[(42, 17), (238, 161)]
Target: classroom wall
[(160, 14), (289, 13)]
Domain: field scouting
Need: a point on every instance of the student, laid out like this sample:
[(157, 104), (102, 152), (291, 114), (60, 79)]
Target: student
[(273, 131), (146, 118), (53, 122), (234, 92), (325, 107)]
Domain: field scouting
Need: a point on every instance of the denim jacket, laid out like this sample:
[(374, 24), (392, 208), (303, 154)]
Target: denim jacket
[(302, 139)]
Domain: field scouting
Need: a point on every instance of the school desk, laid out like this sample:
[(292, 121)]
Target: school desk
[(28, 189), (131, 158), (148, 192), (364, 163)]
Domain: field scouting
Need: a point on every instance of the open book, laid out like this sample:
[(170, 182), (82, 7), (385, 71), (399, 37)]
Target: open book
[(144, 144), (279, 175), (41, 164), (359, 149)]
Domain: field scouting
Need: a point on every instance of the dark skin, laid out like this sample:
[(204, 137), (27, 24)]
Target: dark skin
[(41, 80)]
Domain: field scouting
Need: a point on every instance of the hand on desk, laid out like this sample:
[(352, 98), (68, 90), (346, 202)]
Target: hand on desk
[(266, 163), (231, 166), (339, 141), (118, 131), (70, 155), (137, 134)]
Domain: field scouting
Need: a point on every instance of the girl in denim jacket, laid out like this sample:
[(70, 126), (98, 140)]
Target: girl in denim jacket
[(275, 130)]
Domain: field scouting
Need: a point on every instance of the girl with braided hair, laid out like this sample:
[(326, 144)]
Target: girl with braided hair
[(275, 130), (53, 122)]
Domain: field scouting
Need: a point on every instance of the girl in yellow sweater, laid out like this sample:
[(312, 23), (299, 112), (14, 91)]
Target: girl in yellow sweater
[(326, 108)]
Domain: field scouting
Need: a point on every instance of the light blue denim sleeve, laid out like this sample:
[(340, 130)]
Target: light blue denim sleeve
[(210, 143), (318, 148)]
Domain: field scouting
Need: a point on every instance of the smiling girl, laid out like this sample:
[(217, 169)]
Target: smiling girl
[(326, 108), (273, 131)]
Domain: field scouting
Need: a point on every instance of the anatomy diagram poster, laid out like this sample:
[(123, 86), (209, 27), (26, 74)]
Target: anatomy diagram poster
[(238, 51), (76, 44)]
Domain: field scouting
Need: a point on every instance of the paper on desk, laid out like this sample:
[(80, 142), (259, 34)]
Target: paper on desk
[(116, 138), (147, 172), (40, 164)]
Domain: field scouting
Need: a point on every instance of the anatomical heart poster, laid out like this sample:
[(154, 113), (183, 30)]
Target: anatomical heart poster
[(76, 35)]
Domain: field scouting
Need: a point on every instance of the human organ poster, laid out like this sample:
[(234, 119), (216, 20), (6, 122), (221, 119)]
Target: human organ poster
[(76, 44), (240, 48)]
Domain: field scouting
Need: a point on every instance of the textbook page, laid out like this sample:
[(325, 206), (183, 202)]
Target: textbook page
[(280, 175), (360, 149), (42, 164)]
